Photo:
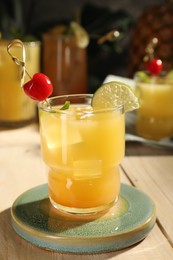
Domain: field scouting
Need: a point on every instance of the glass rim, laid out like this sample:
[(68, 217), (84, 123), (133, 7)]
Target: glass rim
[(137, 77), (30, 42), (45, 105)]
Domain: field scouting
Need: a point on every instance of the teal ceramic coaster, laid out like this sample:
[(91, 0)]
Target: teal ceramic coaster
[(125, 224)]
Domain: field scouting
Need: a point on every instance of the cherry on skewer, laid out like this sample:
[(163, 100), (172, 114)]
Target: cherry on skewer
[(39, 87), (154, 67)]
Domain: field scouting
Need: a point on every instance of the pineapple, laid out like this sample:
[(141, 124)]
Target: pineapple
[(154, 22)]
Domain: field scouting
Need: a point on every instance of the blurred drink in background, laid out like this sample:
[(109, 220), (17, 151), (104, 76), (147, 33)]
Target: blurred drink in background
[(65, 63), (155, 115), (16, 109)]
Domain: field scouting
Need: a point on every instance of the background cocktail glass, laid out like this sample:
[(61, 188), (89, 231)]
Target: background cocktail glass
[(16, 109), (154, 118), (82, 149), (65, 63)]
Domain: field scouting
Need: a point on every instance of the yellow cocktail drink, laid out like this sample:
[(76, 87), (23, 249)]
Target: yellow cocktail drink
[(15, 107), (83, 149), (155, 115)]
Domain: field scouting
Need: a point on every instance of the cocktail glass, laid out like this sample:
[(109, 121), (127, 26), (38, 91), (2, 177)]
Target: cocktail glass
[(82, 149), (16, 109), (154, 118)]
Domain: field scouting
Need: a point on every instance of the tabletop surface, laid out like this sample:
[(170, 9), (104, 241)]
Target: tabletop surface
[(148, 168)]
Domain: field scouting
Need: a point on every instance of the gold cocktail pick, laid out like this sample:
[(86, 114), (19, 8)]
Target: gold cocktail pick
[(150, 50), (19, 62)]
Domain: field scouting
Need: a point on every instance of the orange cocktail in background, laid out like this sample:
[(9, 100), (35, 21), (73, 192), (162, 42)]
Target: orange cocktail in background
[(155, 115)]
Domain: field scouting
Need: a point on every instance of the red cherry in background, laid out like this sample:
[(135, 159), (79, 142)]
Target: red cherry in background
[(154, 67), (39, 87)]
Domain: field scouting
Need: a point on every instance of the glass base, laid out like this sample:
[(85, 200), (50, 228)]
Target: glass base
[(154, 128), (92, 210)]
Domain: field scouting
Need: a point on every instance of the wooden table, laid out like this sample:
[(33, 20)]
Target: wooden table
[(21, 168)]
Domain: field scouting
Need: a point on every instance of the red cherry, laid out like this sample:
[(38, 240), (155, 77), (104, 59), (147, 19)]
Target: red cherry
[(39, 87), (154, 67)]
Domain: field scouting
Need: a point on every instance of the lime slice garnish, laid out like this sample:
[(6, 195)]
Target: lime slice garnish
[(114, 94), (142, 76), (81, 34)]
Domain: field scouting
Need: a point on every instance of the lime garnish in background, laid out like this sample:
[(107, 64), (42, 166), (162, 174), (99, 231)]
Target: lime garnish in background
[(82, 37)]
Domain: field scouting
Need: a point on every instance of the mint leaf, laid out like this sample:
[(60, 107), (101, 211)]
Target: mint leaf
[(65, 106)]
